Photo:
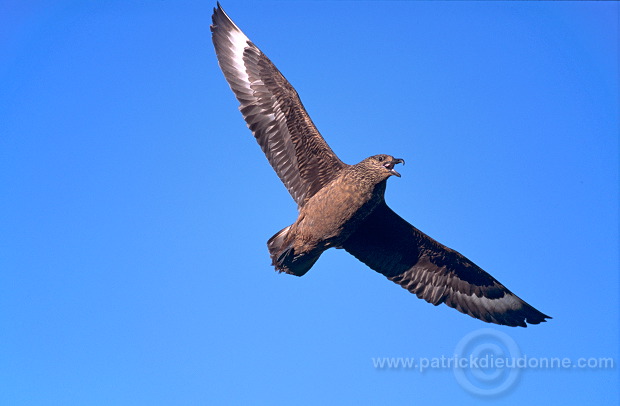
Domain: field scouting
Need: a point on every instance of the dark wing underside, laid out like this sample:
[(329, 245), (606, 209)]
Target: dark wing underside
[(274, 113), (391, 246)]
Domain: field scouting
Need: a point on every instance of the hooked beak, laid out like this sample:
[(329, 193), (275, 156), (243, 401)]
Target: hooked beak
[(390, 166)]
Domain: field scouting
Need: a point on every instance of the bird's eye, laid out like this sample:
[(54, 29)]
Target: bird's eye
[(380, 158)]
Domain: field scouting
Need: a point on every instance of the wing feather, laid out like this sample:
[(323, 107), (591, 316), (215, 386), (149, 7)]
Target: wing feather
[(393, 247), (274, 113)]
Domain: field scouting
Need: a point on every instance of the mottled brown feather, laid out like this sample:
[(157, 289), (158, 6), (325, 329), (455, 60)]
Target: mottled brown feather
[(274, 113), (405, 255)]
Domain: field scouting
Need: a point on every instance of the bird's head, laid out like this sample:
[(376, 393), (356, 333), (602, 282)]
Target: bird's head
[(383, 165)]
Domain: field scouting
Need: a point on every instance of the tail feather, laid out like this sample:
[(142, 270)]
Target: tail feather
[(283, 255)]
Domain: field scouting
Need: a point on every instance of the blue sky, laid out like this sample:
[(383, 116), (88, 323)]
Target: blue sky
[(135, 205)]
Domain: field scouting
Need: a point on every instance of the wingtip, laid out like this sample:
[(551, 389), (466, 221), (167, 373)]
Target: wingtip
[(539, 319), (220, 18), (534, 317), (217, 12)]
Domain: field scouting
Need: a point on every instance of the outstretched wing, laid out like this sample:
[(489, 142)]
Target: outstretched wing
[(274, 113), (391, 246)]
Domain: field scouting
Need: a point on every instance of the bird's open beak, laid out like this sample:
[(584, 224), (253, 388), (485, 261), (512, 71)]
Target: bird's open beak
[(390, 166)]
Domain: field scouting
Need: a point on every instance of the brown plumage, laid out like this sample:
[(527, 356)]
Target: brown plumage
[(343, 205)]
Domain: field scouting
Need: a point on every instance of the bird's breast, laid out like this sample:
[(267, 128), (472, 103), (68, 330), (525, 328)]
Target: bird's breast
[(334, 212)]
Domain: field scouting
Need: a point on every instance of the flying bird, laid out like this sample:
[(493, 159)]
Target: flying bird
[(343, 206)]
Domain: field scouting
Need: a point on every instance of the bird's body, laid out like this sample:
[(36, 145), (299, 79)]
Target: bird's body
[(342, 205), (330, 216)]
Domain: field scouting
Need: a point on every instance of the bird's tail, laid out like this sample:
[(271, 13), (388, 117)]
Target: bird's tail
[(283, 255)]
